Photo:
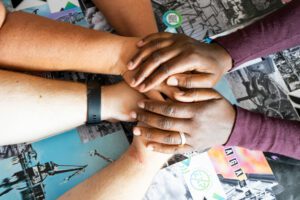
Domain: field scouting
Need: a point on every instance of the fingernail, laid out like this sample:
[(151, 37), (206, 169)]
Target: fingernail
[(172, 81), (136, 131), (180, 93), (141, 104), (140, 43), (150, 147), (142, 88), (132, 82), (133, 115), (130, 65)]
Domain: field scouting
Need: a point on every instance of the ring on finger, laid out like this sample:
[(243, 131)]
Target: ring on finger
[(183, 138)]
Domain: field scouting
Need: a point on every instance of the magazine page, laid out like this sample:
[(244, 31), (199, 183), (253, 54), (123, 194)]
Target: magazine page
[(270, 86), (221, 173), (48, 168)]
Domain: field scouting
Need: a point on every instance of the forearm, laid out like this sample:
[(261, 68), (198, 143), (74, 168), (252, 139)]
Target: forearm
[(278, 31), (128, 178), (133, 18), (30, 42), (32, 108), (258, 132)]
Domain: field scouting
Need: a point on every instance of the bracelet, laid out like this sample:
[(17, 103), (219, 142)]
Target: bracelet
[(93, 103)]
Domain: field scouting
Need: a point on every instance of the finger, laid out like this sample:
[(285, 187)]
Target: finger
[(168, 109), (161, 122), (154, 95), (159, 136), (147, 50), (202, 80), (174, 66), (168, 91), (197, 95), (152, 37), (154, 61), (169, 149)]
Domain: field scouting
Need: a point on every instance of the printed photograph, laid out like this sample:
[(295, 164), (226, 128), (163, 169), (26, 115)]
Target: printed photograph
[(288, 64), (168, 184), (260, 88), (72, 16), (94, 17), (48, 168), (244, 174), (212, 17)]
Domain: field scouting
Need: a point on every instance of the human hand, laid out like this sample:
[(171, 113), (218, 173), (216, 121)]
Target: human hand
[(205, 124), (2, 14), (156, 93), (165, 56), (118, 101)]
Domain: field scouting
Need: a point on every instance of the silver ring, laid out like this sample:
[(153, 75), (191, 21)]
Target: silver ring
[(183, 138)]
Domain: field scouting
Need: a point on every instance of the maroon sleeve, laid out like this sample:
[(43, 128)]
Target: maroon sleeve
[(258, 132), (278, 31)]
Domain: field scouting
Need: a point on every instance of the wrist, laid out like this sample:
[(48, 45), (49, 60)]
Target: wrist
[(146, 158), (223, 57), (128, 51), (107, 103)]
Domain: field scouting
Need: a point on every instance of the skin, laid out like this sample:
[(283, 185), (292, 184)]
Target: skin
[(205, 124), (180, 61), (138, 21), (128, 178), (61, 46), (54, 106)]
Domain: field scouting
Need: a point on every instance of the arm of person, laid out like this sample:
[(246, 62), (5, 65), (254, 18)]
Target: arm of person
[(33, 108), (128, 178), (210, 123), (169, 57), (258, 132), (129, 17), (277, 31), (30, 42)]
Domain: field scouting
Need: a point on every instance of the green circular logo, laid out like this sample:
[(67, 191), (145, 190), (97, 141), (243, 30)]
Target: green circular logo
[(172, 19), (200, 180)]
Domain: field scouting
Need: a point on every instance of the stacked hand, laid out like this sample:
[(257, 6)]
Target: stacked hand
[(205, 124), (185, 70), (178, 61)]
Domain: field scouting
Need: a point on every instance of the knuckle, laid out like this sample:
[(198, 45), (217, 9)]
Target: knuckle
[(169, 139), (147, 133), (156, 56), (150, 107), (164, 123), (142, 117), (169, 110), (156, 44), (187, 82), (164, 69)]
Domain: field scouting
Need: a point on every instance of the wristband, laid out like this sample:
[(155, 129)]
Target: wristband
[(93, 103)]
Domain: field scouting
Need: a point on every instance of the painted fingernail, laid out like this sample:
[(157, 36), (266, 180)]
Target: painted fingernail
[(136, 131), (172, 81), (130, 65), (141, 104), (140, 43), (133, 115), (150, 147)]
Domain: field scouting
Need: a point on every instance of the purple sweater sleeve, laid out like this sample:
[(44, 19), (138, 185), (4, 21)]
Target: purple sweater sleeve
[(255, 131), (278, 31)]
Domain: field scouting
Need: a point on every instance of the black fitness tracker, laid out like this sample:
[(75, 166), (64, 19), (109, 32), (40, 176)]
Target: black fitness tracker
[(93, 103)]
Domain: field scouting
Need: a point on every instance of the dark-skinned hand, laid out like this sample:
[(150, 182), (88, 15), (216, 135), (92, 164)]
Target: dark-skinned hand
[(205, 124)]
